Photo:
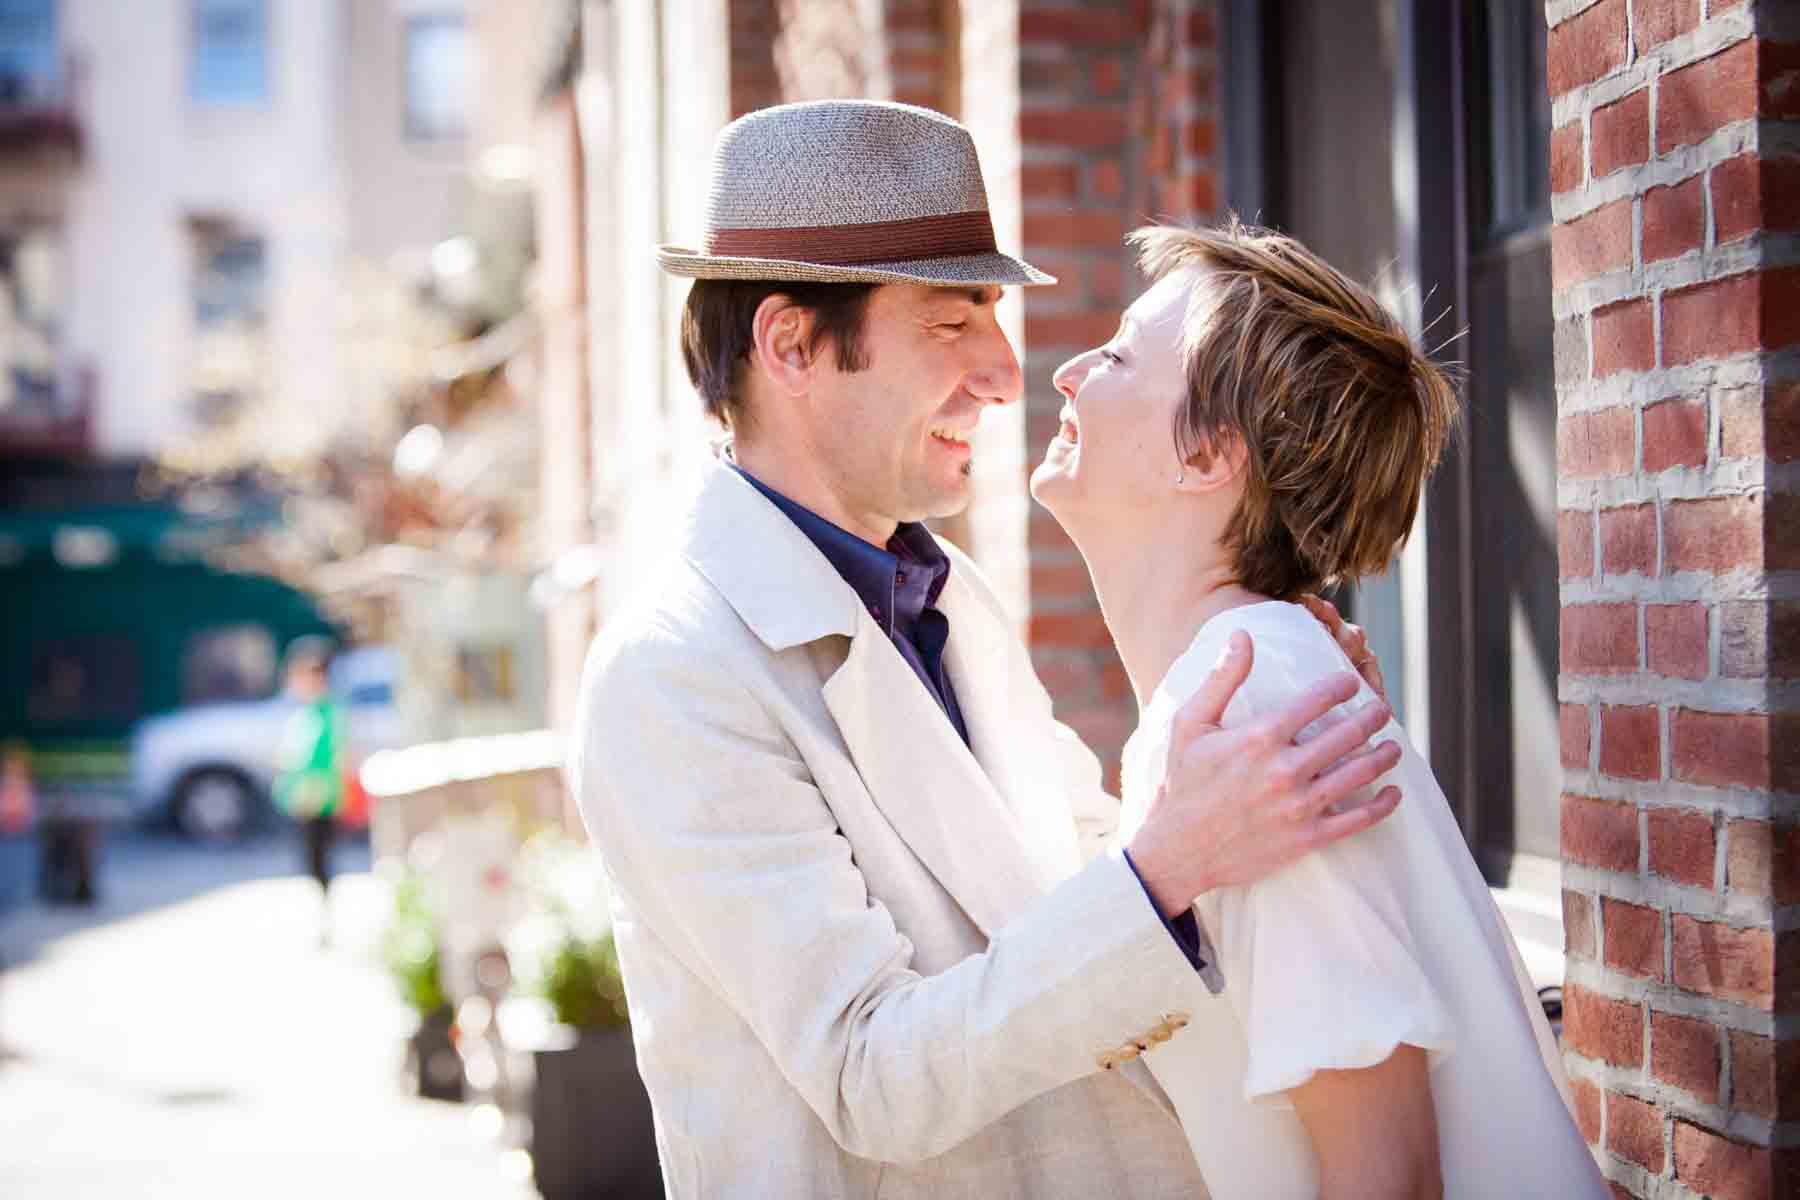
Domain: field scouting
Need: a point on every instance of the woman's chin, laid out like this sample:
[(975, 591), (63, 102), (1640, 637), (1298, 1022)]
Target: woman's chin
[(1052, 482)]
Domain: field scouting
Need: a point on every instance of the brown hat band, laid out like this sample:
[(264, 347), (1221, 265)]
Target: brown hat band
[(950, 235)]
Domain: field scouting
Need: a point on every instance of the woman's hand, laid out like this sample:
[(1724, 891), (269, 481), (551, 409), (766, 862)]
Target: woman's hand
[(1374, 1130), (1351, 639)]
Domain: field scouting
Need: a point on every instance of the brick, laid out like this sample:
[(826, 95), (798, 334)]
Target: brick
[(1593, 244), (1106, 282), (1600, 1027), (1107, 178), (1624, 337), (1765, 1076), (1630, 742), (1675, 640), (1588, 46), (1634, 1131), (1654, 22), (1569, 348), (1042, 181), (1201, 137), (1620, 134), (1586, 1095), (1717, 535), (1752, 425), (1600, 833), (1740, 424), (1079, 330), (1091, 228), (1065, 27), (1715, 959), (1720, 748), (1575, 544), (1685, 1052), (1763, 859), (1090, 127), (1577, 734), (1602, 442), (1674, 435), (1578, 924), (1781, 531), (1108, 76), (1628, 540), (1566, 166), (1674, 220), (1705, 96), (1633, 937), (1082, 630), (1750, 629), (1682, 846), (1752, 195), (1720, 1168), (1191, 197), (1778, 92), (1712, 320), (1599, 639), (1201, 30)]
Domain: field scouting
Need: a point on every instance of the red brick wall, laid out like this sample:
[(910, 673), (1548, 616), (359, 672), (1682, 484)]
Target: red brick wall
[(1117, 124), (1678, 301), (916, 44)]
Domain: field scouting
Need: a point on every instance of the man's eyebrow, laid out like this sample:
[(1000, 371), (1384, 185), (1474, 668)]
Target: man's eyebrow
[(977, 296)]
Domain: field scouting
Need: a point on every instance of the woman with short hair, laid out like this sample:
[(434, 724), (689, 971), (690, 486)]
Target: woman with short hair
[(1259, 429)]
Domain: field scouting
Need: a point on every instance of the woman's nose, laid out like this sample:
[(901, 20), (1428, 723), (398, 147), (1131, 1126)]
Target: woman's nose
[(1068, 377)]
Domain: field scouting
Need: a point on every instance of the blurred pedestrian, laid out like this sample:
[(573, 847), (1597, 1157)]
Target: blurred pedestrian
[(309, 776)]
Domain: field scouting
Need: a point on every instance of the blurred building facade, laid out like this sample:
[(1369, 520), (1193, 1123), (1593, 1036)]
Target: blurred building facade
[(1589, 204)]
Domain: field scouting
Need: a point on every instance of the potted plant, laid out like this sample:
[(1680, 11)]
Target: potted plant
[(591, 1129), (410, 950)]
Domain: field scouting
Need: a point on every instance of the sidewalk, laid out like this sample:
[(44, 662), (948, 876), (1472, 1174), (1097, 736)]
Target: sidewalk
[(208, 1047)]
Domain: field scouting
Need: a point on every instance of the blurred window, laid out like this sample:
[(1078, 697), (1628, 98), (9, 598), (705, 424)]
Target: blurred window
[(30, 323), (484, 673), (230, 62), (84, 679), (28, 60), (231, 278), (371, 693), (437, 76), (231, 662)]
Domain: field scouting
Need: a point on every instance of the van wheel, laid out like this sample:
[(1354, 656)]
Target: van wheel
[(214, 805)]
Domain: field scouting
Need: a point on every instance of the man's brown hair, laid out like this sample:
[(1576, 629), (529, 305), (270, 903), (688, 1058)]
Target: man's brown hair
[(718, 332), (1342, 417)]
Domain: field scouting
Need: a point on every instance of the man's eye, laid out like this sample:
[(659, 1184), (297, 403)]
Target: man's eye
[(953, 326)]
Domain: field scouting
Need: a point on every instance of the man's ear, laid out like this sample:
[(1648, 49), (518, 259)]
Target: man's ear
[(781, 349), (1216, 463)]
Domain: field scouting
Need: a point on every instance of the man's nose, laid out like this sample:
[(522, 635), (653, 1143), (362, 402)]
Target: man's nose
[(998, 380)]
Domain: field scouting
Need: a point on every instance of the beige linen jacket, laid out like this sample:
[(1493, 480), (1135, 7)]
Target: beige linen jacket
[(861, 960)]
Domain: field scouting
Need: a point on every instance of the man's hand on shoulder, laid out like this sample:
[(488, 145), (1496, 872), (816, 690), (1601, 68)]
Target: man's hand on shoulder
[(1350, 639), (1238, 804)]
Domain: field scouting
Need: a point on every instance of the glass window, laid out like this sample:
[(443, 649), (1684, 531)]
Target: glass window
[(230, 298), (30, 324), (437, 76), (28, 66), (232, 662), (230, 63), (1518, 116), (83, 679)]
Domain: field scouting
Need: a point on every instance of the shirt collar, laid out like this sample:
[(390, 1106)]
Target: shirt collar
[(895, 584)]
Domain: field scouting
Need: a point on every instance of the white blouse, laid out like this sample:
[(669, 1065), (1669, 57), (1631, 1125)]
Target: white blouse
[(1387, 938)]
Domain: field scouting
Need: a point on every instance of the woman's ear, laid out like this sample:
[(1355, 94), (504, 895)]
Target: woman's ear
[(781, 348), (1215, 464)]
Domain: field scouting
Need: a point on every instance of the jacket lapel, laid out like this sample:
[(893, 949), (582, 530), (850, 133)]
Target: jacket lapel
[(928, 785)]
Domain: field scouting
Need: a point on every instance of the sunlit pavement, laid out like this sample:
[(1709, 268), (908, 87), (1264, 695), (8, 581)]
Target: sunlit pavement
[(188, 1037)]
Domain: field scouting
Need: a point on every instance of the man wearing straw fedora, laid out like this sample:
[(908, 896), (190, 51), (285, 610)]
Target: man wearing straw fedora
[(877, 936)]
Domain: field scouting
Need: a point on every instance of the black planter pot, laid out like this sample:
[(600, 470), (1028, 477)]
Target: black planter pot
[(432, 1063), (591, 1131)]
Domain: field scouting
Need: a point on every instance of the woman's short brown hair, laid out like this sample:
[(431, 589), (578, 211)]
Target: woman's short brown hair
[(718, 331), (1342, 417)]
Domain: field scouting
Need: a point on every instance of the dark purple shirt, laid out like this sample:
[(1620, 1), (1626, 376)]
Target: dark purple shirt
[(899, 586)]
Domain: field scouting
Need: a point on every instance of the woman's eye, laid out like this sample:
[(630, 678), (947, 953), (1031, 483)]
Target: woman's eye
[(1109, 356)]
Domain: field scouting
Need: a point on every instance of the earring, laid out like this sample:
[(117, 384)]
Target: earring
[(1180, 477)]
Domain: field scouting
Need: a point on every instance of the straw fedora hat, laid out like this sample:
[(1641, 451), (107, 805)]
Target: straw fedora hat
[(848, 191)]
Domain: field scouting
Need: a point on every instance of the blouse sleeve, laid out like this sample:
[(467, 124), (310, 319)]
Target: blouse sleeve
[(1321, 962)]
